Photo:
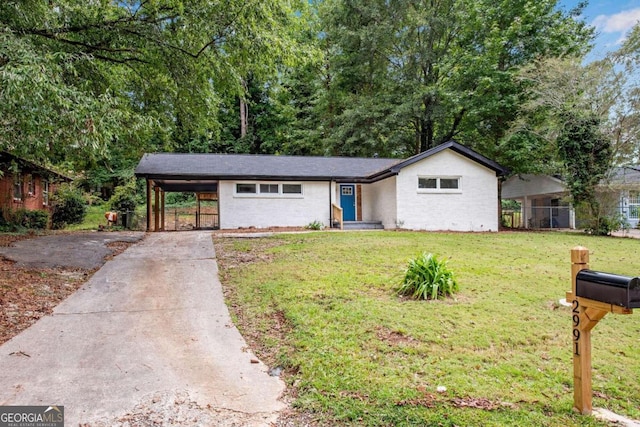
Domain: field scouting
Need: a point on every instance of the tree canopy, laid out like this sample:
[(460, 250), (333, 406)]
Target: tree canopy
[(409, 75), (93, 85), (82, 81)]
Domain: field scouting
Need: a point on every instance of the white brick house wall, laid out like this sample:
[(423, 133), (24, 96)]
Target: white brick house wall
[(473, 207), (395, 201), (379, 202), (262, 211)]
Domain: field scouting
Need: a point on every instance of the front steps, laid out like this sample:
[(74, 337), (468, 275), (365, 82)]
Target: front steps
[(362, 225)]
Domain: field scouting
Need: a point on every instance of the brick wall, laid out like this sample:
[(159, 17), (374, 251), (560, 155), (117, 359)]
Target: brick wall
[(31, 200)]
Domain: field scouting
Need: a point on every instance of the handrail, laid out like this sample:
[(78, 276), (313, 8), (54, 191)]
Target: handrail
[(337, 214)]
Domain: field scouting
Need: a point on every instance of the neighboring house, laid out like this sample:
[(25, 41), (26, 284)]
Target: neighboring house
[(624, 185), (544, 199), (449, 187), (25, 185)]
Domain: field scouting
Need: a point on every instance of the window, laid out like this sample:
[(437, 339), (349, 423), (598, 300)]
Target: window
[(245, 188), (444, 184), (347, 190), (427, 183), (449, 183), (45, 193), (31, 185), (17, 186), (269, 188), (291, 188)]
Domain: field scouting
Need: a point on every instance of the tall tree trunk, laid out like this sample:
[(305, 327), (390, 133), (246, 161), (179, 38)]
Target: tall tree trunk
[(244, 111), (244, 116)]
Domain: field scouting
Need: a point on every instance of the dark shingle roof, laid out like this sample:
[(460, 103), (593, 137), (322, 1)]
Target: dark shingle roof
[(247, 166), (7, 158), (168, 166)]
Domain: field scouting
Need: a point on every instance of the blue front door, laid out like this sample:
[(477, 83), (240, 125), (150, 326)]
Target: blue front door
[(348, 202)]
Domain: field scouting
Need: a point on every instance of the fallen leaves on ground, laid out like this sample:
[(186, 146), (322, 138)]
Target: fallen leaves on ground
[(429, 400), (28, 294)]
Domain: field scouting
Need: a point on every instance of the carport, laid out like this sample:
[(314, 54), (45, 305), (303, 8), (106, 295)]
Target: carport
[(163, 177)]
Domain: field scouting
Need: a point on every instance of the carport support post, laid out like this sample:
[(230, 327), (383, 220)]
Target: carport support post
[(162, 209), (156, 209), (149, 211)]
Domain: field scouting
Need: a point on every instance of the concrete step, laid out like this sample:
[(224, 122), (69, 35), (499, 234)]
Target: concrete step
[(362, 225)]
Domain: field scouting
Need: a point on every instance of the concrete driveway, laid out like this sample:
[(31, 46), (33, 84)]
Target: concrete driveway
[(148, 336)]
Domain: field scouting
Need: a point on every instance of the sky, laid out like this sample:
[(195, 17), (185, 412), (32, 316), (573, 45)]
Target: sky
[(612, 20)]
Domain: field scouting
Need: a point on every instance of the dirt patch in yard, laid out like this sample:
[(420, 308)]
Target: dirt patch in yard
[(27, 294)]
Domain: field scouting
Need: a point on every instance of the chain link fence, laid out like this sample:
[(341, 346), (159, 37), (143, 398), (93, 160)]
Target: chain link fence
[(539, 217)]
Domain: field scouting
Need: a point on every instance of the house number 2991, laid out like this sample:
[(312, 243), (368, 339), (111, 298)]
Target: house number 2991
[(576, 331)]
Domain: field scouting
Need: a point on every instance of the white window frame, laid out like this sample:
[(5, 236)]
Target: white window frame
[(17, 183), (290, 193), (438, 189), (45, 192), (245, 193), (31, 185), (269, 185)]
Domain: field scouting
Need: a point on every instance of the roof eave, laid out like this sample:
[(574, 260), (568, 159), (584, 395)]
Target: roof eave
[(460, 149), (193, 177)]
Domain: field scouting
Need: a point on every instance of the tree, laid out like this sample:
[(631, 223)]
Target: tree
[(80, 77), (586, 154), (585, 119), (624, 91), (411, 74)]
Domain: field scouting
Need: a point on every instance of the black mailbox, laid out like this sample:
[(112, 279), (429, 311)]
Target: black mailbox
[(613, 289)]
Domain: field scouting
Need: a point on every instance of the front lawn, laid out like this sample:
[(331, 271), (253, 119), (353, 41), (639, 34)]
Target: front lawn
[(323, 306)]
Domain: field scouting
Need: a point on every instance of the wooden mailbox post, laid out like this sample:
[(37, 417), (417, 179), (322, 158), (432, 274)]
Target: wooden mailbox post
[(586, 313)]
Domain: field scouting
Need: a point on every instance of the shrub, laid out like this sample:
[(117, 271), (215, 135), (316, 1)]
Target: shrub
[(68, 207), (124, 198), (605, 225), (12, 220), (428, 278), (38, 219)]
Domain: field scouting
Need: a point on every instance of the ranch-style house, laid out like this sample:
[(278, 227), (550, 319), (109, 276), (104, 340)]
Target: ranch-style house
[(449, 187)]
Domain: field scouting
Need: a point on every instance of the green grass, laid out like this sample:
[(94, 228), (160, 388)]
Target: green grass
[(358, 354), (94, 217)]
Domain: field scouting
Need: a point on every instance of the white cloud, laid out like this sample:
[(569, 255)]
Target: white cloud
[(618, 23)]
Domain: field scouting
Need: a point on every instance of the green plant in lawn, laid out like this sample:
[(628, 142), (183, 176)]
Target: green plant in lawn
[(427, 277), (315, 225)]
